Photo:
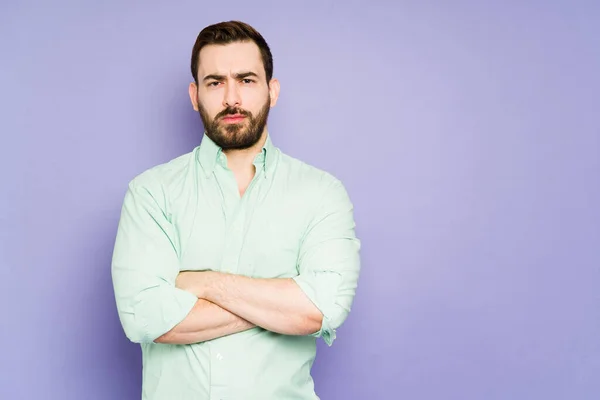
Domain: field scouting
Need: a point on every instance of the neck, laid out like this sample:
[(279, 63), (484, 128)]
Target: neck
[(242, 160)]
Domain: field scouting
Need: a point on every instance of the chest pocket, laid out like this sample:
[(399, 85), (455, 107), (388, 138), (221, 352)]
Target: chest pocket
[(202, 238)]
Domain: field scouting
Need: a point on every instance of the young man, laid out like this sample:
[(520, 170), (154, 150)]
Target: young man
[(231, 260)]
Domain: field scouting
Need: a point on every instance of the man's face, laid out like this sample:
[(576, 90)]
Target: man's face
[(232, 95)]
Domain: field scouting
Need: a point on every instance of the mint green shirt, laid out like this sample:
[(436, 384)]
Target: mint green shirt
[(293, 221)]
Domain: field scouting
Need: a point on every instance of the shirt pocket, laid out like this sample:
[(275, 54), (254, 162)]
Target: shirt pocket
[(202, 240)]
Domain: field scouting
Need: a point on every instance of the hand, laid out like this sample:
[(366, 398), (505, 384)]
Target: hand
[(183, 280), (195, 282)]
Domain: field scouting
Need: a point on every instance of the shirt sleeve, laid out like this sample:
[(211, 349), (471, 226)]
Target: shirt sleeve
[(329, 262), (145, 265)]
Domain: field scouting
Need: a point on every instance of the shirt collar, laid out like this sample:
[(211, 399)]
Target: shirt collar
[(209, 155)]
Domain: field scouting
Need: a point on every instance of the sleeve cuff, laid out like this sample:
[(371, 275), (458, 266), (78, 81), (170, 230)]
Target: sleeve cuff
[(326, 332), (167, 313)]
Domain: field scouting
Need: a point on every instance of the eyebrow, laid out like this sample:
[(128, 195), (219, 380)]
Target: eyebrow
[(239, 75)]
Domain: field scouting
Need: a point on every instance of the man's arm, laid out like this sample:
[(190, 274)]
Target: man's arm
[(318, 300), (206, 321), (145, 265), (277, 305)]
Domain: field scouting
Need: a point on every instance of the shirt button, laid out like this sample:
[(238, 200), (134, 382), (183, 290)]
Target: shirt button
[(219, 357)]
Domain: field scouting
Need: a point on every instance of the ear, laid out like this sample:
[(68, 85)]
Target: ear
[(193, 89), (274, 91)]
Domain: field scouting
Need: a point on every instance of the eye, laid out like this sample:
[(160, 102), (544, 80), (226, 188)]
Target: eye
[(213, 84), (247, 80)]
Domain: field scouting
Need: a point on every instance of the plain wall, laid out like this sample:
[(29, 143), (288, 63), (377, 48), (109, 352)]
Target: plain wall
[(467, 134)]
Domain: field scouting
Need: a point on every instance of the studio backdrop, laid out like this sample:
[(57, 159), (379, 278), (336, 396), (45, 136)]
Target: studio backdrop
[(467, 135)]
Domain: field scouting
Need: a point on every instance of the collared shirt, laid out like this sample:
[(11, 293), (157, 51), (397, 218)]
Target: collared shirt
[(294, 221)]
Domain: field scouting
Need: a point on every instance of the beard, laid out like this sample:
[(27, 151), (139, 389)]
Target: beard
[(238, 136)]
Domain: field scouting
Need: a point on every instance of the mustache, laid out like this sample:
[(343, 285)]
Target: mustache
[(233, 111)]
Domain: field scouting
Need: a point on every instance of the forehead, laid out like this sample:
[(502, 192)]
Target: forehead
[(230, 58)]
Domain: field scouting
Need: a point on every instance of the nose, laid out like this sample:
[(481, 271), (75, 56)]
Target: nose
[(232, 95)]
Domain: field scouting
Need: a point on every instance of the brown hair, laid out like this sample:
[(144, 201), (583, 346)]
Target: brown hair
[(230, 32)]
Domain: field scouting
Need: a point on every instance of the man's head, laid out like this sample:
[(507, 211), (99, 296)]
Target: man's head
[(233, 88)]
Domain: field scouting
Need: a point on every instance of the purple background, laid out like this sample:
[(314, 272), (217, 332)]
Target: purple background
[(467, 134)]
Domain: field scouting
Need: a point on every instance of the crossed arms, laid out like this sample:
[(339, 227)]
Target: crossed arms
[(232, 303), (158, 303)]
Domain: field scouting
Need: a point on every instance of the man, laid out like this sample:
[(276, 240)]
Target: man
[(230, 261)]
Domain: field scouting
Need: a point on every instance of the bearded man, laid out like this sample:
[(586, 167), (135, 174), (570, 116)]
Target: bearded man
[(231, 260)]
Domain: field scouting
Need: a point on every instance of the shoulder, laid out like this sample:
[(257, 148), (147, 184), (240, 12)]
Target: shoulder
[(309, 181), (162, 180), (164, 174)]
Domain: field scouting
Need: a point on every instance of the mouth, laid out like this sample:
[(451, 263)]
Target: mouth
[(233, 118)]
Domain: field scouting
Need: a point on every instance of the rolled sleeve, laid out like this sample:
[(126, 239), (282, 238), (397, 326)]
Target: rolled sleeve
[(329, 261), (145, 265)]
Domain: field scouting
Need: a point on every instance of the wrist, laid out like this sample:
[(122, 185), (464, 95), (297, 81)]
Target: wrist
[(204, 283), (216, 284)]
